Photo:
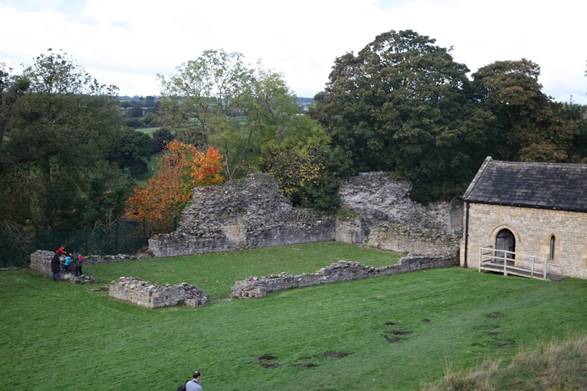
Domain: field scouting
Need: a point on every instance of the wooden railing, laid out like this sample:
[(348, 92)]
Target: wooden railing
[(509, 262)]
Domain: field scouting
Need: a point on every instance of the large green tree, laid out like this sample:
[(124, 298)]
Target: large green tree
[(248, 113), (528, 125), (12, 87), (60, 166), (402, 104)]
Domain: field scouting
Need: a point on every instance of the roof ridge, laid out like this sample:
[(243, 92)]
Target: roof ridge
[(580, 165)]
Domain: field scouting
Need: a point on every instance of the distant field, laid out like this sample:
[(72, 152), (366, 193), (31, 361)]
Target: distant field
[(152, 166), (388, 333), (148, 131)]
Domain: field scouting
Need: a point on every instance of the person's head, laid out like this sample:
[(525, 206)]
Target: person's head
[(196, 375)]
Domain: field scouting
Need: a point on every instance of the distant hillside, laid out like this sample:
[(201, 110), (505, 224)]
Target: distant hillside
[(305, 103), (141, 111)]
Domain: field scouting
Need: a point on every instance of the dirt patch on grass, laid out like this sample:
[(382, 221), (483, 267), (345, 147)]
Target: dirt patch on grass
[(266, 357), (494, 315), (335, 354), (394, 333), (401, 332), (269, 365), (392, 338), (305, 365)]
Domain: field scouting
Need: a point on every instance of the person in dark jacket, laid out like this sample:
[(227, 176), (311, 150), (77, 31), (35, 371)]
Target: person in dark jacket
[(56, 266)]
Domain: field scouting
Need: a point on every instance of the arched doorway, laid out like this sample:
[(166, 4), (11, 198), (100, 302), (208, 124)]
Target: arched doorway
[(505, 244)]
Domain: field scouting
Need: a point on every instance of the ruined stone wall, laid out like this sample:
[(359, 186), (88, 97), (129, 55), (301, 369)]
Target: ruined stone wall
[(379, 212), (254, 287), (41, 263), (246, 213), (151, 295), (532, 229)]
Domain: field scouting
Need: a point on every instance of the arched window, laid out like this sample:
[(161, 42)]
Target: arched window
[(552, 247), (505, 244)]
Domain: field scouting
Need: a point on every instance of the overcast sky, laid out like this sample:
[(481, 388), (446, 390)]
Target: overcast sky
[(127, 42)]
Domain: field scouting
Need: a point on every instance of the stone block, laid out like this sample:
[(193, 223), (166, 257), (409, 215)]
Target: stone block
[(151, 295)]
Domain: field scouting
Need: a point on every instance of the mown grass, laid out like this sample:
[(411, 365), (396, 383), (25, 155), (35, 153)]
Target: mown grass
[(216, 273), (400, 332)]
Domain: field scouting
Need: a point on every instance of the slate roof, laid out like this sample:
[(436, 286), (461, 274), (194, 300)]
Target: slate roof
[(536, 185)]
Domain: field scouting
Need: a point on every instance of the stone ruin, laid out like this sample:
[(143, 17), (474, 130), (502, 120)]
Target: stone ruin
[(255, 287), (246, 213), (151, 295), (41, 263), (253, 212), (378, 212)]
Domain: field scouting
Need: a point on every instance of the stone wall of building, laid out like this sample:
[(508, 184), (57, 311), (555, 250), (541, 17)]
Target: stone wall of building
[(378, 211), (41, 263), (151, 295), (254, 287), (532, 229), (246, 213)]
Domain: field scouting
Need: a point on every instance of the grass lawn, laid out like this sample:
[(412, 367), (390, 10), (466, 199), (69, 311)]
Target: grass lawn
[(216, 273), (399, 332)]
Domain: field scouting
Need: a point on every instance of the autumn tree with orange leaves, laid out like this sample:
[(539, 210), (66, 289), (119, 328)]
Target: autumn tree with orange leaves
[(182, 168)]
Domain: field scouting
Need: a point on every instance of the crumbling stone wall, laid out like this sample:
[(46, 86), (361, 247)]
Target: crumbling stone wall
[(41, 263), (247, 213), (153, 295), (254, 287), (378, 211)]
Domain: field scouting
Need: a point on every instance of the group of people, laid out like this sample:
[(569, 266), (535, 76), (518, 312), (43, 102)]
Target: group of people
[(66, 261)]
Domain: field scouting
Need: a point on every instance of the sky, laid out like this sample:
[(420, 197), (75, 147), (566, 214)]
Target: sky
[(127, 42)]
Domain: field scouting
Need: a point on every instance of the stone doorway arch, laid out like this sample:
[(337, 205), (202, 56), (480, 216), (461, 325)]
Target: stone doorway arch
[(505, 244)]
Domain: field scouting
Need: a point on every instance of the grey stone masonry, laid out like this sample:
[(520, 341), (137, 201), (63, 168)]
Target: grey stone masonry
[(41, 263), (151, 295), (246, 213), (254, 287), (380, 213)]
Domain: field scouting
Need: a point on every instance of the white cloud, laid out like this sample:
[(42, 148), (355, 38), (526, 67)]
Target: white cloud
[(127, 42)]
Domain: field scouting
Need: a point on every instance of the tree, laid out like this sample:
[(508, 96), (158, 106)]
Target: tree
[(402, 104), (182, 168), (203, 94), (218, 100), (12, 87), (56, 172), (528, 124), (161, 138)]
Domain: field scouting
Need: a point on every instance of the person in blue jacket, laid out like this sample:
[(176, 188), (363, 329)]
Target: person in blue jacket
[(67, 262)]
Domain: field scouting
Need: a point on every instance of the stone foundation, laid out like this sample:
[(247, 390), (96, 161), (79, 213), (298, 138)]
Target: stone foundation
[(41, 263), (151, 295), (254, 287)]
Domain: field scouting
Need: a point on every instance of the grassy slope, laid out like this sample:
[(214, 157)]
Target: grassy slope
[(72, 338), (556, 366)]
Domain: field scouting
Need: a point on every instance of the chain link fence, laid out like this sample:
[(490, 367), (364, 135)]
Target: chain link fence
[(122, 237)]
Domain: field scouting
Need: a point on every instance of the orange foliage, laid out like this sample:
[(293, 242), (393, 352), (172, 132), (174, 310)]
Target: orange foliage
[(182, 168)]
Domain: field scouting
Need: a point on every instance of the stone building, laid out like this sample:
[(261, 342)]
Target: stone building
[(528, 219)]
